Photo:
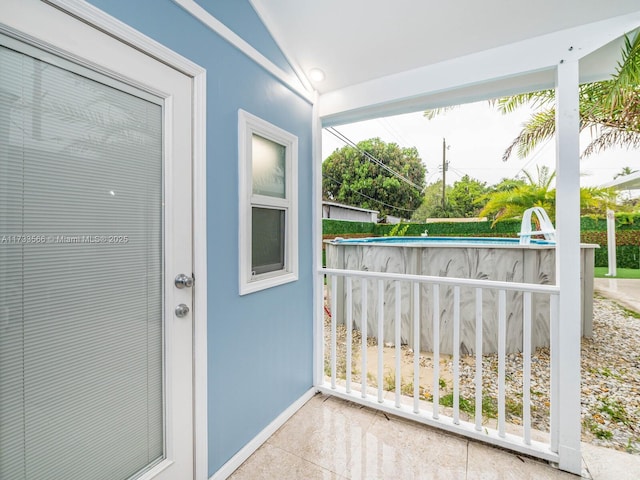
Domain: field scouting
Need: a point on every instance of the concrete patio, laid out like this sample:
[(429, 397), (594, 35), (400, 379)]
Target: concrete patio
[(625, 291), (330, 438)]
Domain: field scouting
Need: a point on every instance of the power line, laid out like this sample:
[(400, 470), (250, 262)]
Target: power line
[(392, 130), (458, 172), (367, 196), (430, 177), (533, 157), (371, 158)]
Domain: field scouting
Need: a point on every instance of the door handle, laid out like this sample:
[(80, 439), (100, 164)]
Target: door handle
[(183, 281)]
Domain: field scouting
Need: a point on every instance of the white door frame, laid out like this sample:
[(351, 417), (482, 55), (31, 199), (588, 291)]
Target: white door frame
[(102, 21)]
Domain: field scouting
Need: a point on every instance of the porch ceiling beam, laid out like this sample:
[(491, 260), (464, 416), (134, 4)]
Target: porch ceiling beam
[(568, 265), (513, 68)]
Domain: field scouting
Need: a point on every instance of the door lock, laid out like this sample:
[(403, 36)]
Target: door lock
[(182, 310), (183, 281)]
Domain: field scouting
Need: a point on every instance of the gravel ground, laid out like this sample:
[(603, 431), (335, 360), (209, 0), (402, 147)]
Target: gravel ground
[(610, 380)]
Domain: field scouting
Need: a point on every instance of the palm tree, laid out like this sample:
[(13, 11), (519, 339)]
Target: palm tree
[(624, 172), (610, 109), (510, 203), (537, 192)]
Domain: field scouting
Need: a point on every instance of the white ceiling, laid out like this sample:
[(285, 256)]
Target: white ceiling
[(356, 41)]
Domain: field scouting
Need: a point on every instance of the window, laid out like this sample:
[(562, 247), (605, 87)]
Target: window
[(268, 159)]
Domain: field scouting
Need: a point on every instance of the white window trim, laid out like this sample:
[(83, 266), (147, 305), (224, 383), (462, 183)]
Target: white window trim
[(248, 125)]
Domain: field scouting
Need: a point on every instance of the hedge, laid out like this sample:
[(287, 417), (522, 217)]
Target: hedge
[(626, 224), (464, 229), (624, 221), (627, 248), (627, 256), (626, 238), (341, 227)]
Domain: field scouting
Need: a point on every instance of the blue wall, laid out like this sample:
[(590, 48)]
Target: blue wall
[(240, 17), (259, 345)]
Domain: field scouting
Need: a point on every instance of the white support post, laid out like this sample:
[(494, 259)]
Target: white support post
[(611, 244), (316, 233), (568, 263)]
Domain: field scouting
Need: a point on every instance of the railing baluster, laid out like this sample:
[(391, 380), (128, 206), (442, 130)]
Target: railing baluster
[(416, 347), (555, 369), (526, 368), (349, 326), (398, 351), (478, 359), (456, 355), (436, 350), (365, 334), (334, 314), (380, 339), (502, 347), (347, 301)]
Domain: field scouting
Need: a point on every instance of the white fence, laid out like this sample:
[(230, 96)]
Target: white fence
[(370, 390)]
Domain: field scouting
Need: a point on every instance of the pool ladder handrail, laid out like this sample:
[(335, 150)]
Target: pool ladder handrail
[(546, 227)]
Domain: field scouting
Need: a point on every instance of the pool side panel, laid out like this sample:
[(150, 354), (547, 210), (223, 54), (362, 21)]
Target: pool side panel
[(512, 263)]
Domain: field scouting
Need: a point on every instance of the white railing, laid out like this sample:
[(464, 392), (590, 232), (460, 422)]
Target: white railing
[(369, 294)]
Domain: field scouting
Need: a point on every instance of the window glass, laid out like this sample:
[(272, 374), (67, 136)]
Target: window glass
[(267, 240), (268, 167)]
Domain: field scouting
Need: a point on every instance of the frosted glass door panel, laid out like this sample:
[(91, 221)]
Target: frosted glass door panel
[(81, 275)]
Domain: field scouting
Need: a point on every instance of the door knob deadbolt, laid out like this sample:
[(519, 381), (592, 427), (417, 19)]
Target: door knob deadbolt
[(183, 281), (182, 310)]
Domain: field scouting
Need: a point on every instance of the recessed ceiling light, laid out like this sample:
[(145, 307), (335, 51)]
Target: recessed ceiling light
[(316, 75)]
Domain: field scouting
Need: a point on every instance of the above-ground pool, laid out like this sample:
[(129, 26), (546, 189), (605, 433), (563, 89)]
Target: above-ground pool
[(502, 259)]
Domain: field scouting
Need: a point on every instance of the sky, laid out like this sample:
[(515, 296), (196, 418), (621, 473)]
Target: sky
[(477, 135)]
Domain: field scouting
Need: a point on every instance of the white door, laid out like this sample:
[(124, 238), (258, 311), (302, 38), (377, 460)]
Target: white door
[(95, 224)]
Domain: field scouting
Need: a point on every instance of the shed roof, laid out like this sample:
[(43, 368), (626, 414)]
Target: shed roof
[(348, 207), (628, 182)]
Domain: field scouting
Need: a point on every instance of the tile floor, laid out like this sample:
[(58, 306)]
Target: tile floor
[(330, 438)]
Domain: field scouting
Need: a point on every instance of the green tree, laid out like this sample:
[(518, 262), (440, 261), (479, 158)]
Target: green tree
[(431, 206), (375, 175), (610, 109), (507, 184), (466, 197), (463, 199)]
